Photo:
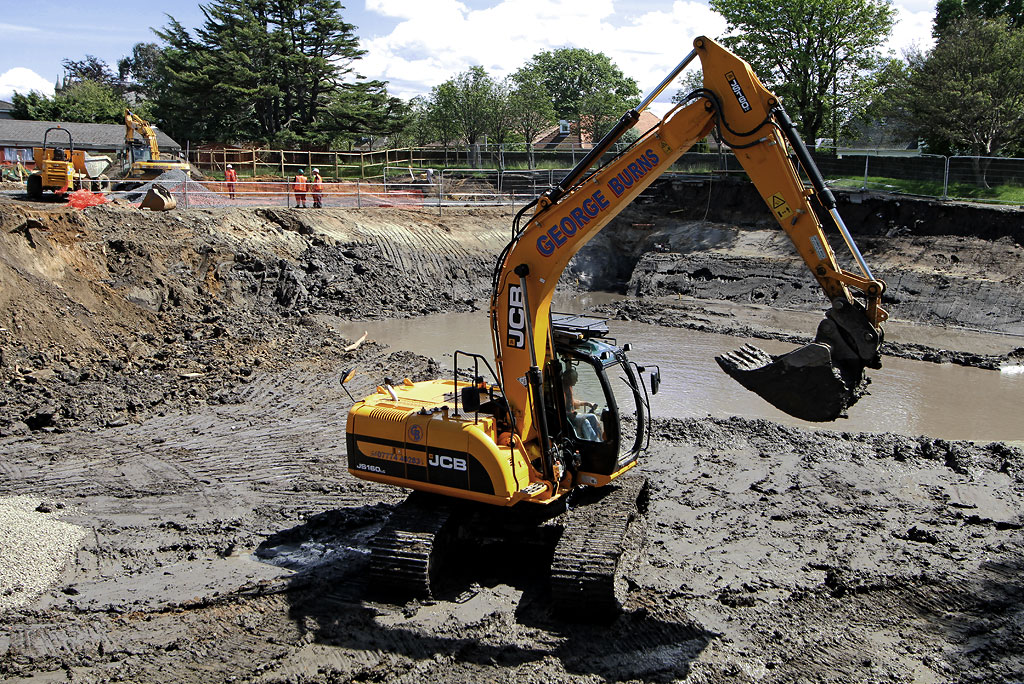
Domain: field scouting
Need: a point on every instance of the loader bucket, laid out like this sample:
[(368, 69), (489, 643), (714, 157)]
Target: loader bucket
[(804, 383), (158, 199)]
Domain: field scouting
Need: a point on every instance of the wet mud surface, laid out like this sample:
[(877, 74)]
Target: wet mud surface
[(167, 386)]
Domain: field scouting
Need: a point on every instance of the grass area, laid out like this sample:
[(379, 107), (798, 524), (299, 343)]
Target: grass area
[(1002, 194)]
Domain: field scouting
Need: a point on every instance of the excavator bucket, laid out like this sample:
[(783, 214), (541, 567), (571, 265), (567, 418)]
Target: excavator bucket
[(804, 383), (158, 199), (819, 381)]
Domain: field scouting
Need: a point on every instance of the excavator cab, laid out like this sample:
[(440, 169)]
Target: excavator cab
[(598, 403)]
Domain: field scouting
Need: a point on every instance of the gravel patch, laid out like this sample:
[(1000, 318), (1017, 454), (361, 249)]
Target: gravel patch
[(35, 547)]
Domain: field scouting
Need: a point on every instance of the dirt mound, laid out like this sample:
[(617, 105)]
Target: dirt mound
[(109, 315)]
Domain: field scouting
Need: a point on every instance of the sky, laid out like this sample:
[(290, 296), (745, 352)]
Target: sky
[(413, 44)]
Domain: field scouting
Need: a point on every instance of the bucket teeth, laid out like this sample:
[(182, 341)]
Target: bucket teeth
[(748, 357)]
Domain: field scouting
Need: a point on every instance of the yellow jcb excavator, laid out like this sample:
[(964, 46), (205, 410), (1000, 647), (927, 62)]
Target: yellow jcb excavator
[(565, 414), (143, 160)]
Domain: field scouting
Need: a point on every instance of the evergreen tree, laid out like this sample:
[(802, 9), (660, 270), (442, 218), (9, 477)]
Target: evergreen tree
[(268, 70), (362, 111)]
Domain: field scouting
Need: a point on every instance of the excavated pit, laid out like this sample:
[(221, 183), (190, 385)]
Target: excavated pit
[(169, 387)]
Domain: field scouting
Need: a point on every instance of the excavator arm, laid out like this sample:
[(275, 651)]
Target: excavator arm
[(133, 124), (816, 382)]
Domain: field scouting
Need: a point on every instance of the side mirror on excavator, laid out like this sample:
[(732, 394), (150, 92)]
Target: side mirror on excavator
[(655, 377), (345, 377)]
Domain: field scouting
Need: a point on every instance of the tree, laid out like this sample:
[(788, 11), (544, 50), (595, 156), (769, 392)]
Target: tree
[(600, 111), (263, 70), (418, 131), (886, 117), (819, 57), (473, 105), (691, 80), (442, 113), (81, 101), (965, 96), (363, 110), (951, 12), (577, 78), (137, 73), (530, 106), (88, 69), (501, 125)]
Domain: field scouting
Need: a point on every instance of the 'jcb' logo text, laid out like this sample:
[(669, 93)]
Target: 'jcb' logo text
[(738, 91), (516, 317), (449, 462)]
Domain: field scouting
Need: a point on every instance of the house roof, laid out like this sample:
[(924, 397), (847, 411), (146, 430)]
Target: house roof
[(86, 136), (5, 105), (552, 138)]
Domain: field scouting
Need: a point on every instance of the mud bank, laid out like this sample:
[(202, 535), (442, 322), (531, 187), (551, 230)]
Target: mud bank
[(167, 387), (111, 315)]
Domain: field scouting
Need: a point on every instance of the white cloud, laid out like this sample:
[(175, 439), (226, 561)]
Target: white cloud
[(654, 43), (435, 41), (912, 29), (22, 80), (17, 28)]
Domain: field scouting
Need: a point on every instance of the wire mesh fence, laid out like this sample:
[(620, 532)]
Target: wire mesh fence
[(422, 177), (357, 194)]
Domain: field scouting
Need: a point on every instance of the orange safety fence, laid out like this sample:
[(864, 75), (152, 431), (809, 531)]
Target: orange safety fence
[(80, 199)]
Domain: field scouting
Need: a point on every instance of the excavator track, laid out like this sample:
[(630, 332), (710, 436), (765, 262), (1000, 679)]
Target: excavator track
[(406, 554), (598, 542)]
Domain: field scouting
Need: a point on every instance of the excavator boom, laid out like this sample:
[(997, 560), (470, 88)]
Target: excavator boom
[(815, 383)]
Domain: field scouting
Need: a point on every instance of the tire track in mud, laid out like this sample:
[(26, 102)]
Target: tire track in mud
[(424, 252), (54, 640)]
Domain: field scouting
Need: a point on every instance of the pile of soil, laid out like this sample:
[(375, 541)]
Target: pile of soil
[(111, 315)]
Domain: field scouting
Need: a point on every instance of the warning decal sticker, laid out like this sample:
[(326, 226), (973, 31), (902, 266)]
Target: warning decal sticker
[(779, 206)]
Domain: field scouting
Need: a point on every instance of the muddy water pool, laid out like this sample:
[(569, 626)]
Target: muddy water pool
[(907, 397)]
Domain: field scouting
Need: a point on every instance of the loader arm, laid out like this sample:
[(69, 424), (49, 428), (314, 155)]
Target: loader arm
[(752, 122)]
